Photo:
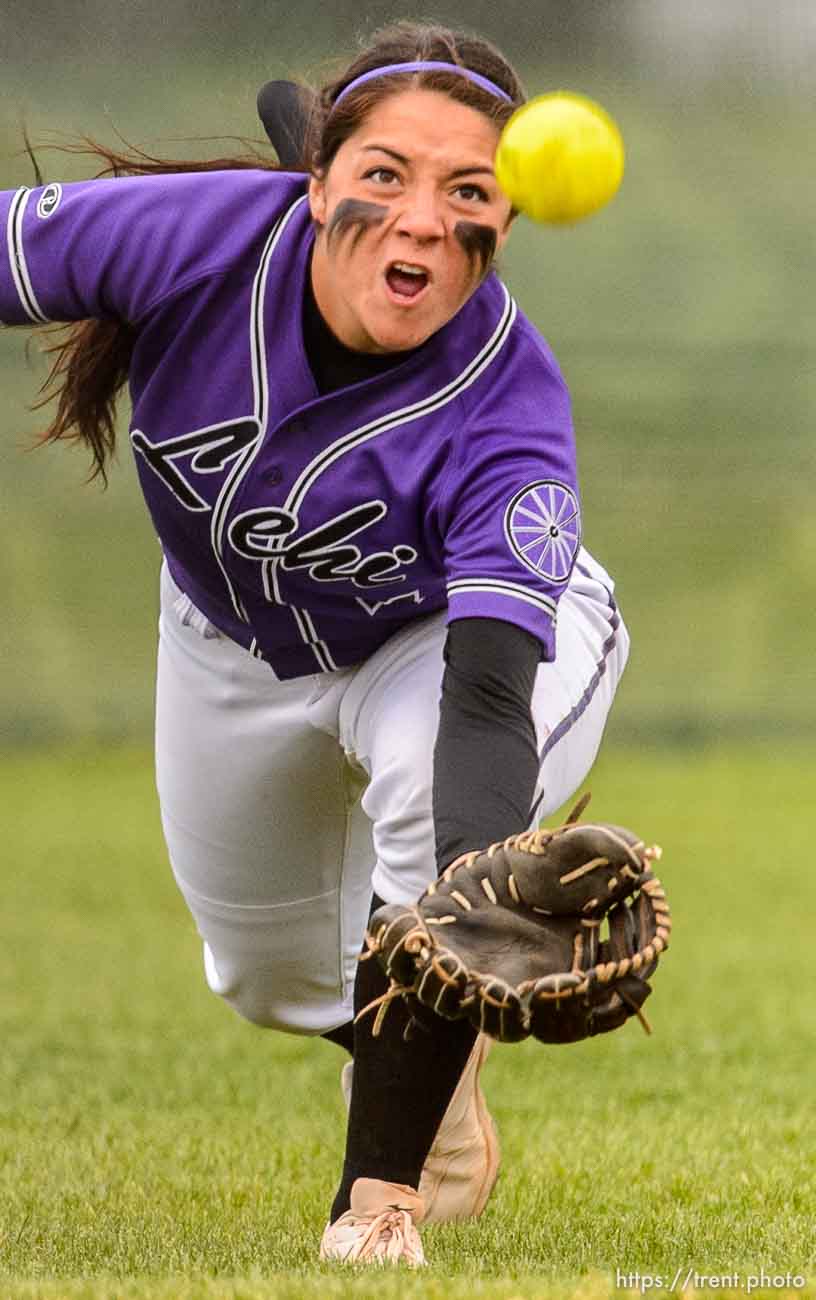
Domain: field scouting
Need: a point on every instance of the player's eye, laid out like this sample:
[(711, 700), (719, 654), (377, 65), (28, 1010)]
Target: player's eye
[(381, 175), (472, 193)]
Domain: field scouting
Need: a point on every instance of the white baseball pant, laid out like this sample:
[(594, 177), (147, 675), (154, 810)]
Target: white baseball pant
[(285, 803)]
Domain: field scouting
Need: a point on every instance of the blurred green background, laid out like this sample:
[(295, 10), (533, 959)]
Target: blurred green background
[(682, 317)]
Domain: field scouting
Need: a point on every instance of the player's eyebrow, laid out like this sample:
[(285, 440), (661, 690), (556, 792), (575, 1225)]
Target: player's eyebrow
[(480, 170), (383, 148), (477, 169)]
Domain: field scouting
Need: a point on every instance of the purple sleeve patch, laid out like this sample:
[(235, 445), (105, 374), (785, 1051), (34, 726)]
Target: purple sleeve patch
[(512, 540), (542, 525)]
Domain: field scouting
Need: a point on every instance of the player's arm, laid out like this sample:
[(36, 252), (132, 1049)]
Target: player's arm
[(486, 760), (111, 248), (510, 519)]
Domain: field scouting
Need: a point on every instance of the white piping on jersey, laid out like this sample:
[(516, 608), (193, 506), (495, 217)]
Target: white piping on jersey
[(407, 413), (315, 643), (383, 423), (16, 255), (498, 587), (260, 390), (303, 618), (270, 584)]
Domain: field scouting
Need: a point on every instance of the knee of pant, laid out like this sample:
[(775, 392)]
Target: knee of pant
[(246, 989), (250, 1004), (260, 995)]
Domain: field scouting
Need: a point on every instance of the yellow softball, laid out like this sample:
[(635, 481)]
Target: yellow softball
[(560, 157)]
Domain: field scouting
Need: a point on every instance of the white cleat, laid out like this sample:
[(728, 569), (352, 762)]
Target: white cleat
[(463, 1163), (380, 1227)]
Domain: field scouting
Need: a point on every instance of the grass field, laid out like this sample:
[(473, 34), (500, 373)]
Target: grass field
[(152, 1145)]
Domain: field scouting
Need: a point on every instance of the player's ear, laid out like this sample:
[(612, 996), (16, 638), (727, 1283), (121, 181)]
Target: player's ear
[(317, 199)]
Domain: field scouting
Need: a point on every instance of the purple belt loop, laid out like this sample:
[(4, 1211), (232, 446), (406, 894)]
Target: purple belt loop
[(421, 66)]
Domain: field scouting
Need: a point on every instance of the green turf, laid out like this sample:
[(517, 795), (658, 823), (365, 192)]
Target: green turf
[(153, 1145)]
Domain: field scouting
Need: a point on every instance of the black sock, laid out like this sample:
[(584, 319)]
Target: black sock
[(401, 1090)]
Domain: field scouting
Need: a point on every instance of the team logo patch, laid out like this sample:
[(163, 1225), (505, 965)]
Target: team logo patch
[(49, 200), (542, 525)]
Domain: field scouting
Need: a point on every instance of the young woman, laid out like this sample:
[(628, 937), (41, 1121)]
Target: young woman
[(359, 460)]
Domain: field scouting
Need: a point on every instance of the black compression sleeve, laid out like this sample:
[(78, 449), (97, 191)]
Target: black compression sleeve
[(486, 759)]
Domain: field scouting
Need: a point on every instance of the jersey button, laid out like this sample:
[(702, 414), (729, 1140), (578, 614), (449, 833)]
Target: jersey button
[(273, 474)]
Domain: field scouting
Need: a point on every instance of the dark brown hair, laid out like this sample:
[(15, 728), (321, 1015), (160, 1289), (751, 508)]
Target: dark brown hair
[(92, 357), (329, 127)]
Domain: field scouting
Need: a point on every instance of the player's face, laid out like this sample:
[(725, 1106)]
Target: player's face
[(409, 217)]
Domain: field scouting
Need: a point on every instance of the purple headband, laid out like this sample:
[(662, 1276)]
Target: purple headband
[(420, 66)]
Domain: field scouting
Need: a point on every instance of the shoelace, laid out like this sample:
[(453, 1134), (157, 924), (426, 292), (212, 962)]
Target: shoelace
[(395, 1221)]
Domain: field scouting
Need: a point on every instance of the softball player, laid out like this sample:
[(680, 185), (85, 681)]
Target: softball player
[(381, 642)]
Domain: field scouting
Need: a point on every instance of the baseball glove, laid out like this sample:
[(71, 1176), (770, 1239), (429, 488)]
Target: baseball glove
[(511, 936)]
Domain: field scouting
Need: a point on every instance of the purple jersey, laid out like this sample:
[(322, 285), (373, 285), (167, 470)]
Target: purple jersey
[(308, 528)]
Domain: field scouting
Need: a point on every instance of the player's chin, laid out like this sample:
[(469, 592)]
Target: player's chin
[(393, 333), (398, 326)]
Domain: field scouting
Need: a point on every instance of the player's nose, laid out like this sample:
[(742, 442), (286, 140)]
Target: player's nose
[(421, 214)]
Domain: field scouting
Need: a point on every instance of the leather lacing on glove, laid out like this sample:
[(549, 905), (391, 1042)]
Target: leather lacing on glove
[(480, 943)]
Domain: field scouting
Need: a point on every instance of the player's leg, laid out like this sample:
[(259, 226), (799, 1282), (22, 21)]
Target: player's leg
[(389, 717), (388, 720), (254, 797)]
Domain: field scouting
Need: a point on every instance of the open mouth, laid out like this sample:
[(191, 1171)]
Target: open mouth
[(406, 281)]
